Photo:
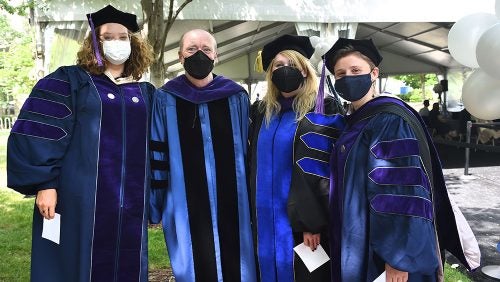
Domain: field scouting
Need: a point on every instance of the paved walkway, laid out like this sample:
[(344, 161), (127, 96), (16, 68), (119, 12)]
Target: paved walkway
[(478, 196)]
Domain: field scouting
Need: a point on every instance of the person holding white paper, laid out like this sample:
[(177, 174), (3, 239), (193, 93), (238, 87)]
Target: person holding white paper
[(80, 144), (389, 208), (290, 143)]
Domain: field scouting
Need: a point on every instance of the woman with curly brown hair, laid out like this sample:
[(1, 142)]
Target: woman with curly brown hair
[(80, 145)]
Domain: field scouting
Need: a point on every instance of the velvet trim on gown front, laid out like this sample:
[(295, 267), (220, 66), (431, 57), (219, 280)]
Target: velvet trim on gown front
[(87, 137), (200, 192)]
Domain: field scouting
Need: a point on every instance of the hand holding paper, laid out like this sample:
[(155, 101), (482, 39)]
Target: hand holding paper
[(311, 259), (52, 228)]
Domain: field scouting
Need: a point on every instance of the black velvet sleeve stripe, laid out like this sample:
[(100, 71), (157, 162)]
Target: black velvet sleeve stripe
[(159, 184), (159, 165), (158, 146)]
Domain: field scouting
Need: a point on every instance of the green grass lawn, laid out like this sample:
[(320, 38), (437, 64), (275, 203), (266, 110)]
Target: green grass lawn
[(15, 235), (15, 241), (15, 238)]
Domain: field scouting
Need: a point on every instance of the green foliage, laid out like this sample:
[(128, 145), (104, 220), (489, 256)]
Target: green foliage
[(416, 81), (16, 63), (412, 96), (7, 35), (20, 9), (4, 134)]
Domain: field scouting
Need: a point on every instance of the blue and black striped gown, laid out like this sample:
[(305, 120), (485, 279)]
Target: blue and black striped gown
[(199, 188)]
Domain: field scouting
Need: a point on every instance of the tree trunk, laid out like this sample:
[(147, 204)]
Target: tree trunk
[(157, 75), (158, 29), (422, 83), (153, 15)]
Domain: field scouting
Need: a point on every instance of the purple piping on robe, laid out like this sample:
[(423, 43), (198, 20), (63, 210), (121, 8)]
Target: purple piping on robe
[(319, 107), (413, 176), (339, 157), (37, 129), (377, 102), (402, 205), (220, 87), (94, 42), (395, 149), (136, 150), (120, 184), (46, 107), (55, 86)]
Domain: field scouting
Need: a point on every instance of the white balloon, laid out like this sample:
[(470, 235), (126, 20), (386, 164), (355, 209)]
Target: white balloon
[(481, 95), (464, 34), (497, 8), (488, 51), (322, 48), (314, 40), (315, 58)]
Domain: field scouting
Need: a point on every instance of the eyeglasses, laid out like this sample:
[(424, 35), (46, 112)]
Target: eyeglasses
[(109, 37)]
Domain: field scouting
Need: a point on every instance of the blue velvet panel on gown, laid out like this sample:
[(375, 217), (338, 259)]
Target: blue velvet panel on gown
[(200, 191)]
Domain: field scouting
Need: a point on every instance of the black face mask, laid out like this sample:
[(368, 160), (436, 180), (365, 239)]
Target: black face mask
[(198, 65), (287, 79), (353, 87)]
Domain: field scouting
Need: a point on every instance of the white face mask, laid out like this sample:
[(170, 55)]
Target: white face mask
[(116, 51)]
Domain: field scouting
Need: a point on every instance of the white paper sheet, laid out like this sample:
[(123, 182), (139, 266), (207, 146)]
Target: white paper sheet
[(311, 259), (381, 278), (52, 228)]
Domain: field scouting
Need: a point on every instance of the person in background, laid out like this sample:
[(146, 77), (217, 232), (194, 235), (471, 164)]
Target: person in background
[(80, 145), (438, 122), (424, 112), (290, 141), (199, 145), (388, 200)]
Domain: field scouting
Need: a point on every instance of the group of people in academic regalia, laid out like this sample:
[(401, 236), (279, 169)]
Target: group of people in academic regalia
[(235, 186)]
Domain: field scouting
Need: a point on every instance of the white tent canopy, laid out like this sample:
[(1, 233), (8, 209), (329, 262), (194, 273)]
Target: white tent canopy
[(412, 35)]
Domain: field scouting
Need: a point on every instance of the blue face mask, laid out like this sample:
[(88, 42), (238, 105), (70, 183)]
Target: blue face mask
[(353, 87)]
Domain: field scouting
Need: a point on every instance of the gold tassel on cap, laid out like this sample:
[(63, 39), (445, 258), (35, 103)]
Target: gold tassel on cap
[(258, 63)]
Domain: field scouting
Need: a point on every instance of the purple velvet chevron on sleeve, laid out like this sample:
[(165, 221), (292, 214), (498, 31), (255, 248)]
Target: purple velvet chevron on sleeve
[(46, 108), (406, 176), (395, 148), (55, 86), (402, 205), (38, 129)]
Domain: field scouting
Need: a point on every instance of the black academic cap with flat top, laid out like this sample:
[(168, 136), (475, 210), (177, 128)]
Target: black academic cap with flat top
[(298, 43), (110, 14), (364, 46)]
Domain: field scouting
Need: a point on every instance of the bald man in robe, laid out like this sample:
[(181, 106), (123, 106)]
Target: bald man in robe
[(199, 189)]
